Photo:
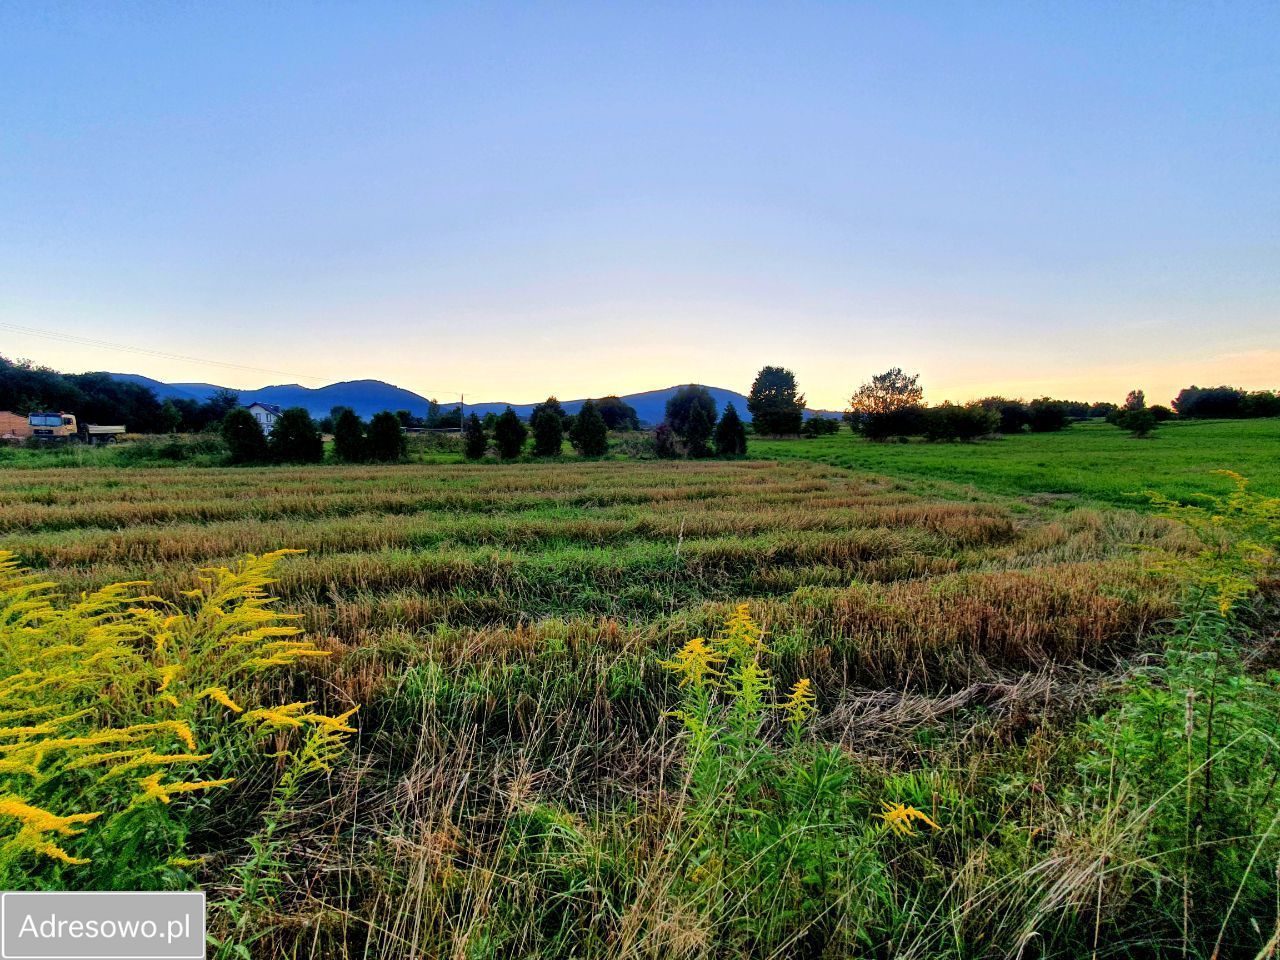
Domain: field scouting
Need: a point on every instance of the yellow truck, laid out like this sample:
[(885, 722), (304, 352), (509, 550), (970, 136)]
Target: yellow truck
[(52, 426)]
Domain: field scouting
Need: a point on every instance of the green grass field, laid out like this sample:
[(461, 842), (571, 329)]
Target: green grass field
[(538, 765), (1086, 462)]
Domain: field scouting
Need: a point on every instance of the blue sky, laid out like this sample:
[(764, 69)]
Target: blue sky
[(513, 200)]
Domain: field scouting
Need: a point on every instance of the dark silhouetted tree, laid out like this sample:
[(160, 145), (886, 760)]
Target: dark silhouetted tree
[(349, 443), (887, 405), (730, 435), (386, 442), (617, 413), (891, 390), (951, 421), (244, 437), (552, 405), (820, 427), (170, 417), (509, 435), (1045, 415), (774, 403), (698, 433), (476, 440), (1012, 413), (295, 439), (1139, 421), (590, 434), (682, 404), (548, 431)]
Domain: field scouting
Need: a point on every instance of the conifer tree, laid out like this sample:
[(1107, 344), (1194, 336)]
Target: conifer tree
[(698, 432), (386, 438), (476, 441), (548, 431), (295, 438), (731, 434), (244, 437), (590, 434), (509, 434), (348, 437)]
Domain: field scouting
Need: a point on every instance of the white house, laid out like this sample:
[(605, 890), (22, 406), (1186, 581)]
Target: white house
[(266, 414)]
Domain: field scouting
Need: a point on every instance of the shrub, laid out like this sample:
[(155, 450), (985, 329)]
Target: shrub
[(730, 434), (950, 421), (1012, 413), (774, 403), (348, 437), (509, 435), (590, 435), (664, 442), (1161, 412), (820, 427), (1139, 422), (386, 438), (243, 436), (1045, 415), (295, 439), (900, 422), (683, 403), (476, 440)]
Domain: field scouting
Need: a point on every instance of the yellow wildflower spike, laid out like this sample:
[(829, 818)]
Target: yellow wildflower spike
[(899, 818), (742, 635), (696, 663), (42, 821), (153, 789), (222, 697), (53, 851), (801, 703)]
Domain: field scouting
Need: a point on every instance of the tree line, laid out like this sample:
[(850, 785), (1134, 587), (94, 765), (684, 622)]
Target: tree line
[(296, 438)]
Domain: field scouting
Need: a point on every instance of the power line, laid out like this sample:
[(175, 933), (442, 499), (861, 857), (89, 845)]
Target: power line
[(146, 351)]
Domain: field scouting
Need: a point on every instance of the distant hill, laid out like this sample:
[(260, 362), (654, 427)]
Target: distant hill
[(368, 397)]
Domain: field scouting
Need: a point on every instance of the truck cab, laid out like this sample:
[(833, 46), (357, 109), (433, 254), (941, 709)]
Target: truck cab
[(52, 426)]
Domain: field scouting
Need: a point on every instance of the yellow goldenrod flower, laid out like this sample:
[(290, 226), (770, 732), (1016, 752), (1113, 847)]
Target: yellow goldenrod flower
[(801, 702), (222, 697), (696, 663), (153, 789), (42, 821), (742, 636), (899, 818)]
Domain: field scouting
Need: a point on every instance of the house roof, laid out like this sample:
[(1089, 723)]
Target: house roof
[(269, 407)]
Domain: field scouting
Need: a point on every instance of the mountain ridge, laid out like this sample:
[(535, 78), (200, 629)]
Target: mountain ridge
[(368, 397)]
